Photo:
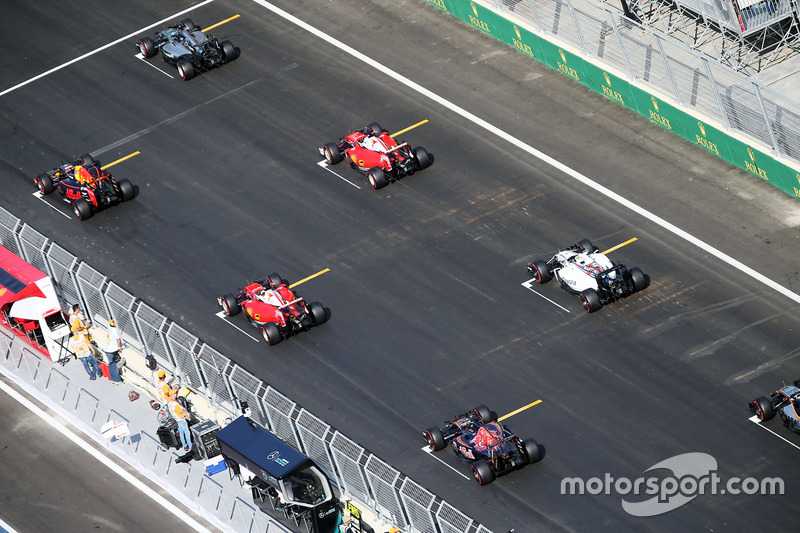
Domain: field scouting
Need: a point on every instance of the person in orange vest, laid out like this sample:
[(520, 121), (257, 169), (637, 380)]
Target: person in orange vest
[(84, 352), (163, 386), (182, 416)]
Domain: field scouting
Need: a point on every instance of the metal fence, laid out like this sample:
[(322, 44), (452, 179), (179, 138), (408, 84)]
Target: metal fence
[(227, 387), (672, 70)]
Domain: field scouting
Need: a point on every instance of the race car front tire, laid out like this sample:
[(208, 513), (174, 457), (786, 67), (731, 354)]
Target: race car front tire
[(188, 24), (374, 126), (275, 280), (146, 47), (763, 409), (126, 188), (484, 413), (272, 334), (228, 51), (332, 153), (532, 451), (591, 301), (482, 472), (87, 160), (587, 245), (422, 157), (540, 271), (639, 281), (82, 209), (377, 178), (186, 69), (435, 439), (230, 305), (318, 313), (45, 183)]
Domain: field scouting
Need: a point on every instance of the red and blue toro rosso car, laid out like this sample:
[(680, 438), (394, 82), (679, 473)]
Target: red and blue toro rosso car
[(273, 308), (479, 440), (375, 154), (84, 185)]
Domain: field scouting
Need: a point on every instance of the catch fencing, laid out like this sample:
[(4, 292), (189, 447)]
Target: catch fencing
[(228, 388)]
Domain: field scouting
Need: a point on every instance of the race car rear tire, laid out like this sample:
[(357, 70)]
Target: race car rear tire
[(275, 280), (126, 188), (230, 305), (272, 334), (422, 157), (228, 51), (482, 472), (532, 451), (332, 153), (318, 313), (374, 126), (45, 183), (146, 47), (638, 279), (587, 245), (484, 413), (188, 24), (87, 160), (186, 69), (763, 409), (377, 178), (82, 209), (541, 272), (435, 439), (591, 301)]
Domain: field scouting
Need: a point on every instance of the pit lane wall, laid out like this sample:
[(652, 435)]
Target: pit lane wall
[(377, 488), (706, 103)]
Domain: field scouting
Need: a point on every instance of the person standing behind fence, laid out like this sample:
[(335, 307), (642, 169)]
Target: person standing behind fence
[(182, 416), (112, 349), (83, 351)]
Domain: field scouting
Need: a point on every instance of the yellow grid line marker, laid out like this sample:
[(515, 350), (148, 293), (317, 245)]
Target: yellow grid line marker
[(420, 123), (120, 160), (312, 276), (620, 245), (220, 23), (512, 413)]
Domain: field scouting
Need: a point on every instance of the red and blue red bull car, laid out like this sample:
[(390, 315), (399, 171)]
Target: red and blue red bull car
[(375, 154), (274, 309), (85, 186), (479, 440)]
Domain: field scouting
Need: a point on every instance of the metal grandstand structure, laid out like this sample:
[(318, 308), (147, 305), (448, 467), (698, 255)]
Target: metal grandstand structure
[(747, 35)]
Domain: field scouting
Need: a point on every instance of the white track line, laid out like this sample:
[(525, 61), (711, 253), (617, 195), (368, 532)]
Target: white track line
[(222, 315), (40, 196), (140, 57), (185, 518), (757, 422), (427, 450), (324, 164), (84, 56), (534, 152), (528, 285)]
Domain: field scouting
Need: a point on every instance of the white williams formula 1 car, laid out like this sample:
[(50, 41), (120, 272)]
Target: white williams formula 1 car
[(585, 272)]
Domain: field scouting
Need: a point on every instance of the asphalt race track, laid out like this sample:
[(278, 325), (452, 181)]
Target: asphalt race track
[(428, 314)]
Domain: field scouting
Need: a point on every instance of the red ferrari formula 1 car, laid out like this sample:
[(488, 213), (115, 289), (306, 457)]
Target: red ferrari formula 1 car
[(374, 153), (85, 186), (274, 309), (479, 440)]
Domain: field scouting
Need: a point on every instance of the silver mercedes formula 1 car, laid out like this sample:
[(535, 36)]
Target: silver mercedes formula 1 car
[(188, 49), (587, 273)]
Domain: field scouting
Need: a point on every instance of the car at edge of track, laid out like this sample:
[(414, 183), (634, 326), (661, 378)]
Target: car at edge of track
[(372, 152), (784, 401), (586, 272), (479, 440), (271, 307), (98, 190)]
